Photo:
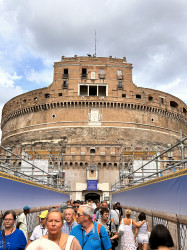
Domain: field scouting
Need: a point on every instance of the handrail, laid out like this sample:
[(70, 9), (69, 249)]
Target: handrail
[(20, 174), (119, 185)]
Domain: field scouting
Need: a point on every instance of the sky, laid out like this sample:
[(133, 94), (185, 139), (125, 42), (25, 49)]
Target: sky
[(151, 34)]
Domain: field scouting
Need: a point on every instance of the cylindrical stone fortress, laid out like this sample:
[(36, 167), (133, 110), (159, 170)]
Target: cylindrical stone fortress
[(94, 108)]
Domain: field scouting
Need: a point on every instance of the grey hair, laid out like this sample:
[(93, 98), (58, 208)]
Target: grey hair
[(88, 210)]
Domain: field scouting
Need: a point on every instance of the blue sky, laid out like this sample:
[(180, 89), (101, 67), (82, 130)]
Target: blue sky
[(151, 34)]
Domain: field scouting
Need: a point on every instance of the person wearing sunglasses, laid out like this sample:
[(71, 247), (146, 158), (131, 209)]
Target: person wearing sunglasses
[(90, 234), (10, 237), (76, 205)]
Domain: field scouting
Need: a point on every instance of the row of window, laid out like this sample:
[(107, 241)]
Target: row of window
[(84, 74), (102, 90), (81, 164)]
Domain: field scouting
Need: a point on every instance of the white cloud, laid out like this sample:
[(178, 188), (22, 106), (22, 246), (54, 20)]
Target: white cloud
[(151, 34), (6, 79), (177, 88), (40, 77)]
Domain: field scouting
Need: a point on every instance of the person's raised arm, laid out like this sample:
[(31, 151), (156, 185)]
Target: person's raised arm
[(137, 224)]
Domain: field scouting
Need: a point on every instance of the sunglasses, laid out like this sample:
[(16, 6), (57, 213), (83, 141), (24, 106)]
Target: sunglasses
[(79, 215), (76, 206)]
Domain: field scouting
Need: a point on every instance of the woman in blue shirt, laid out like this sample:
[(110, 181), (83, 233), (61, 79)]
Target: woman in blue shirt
[(10, 237)]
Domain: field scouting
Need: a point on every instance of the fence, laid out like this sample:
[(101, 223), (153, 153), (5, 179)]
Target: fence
[(176, 224), (32, 217)]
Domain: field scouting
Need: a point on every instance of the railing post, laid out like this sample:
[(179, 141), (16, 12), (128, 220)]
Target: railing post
[(178, 232)]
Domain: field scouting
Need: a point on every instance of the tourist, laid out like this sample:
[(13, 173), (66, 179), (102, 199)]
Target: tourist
[(118, 208), (97, 207), (115, 215), (63, 206), (127, 239), (68, 203), (22, 221), (87, 232), (160, 238), (142, 233), (41, 229), (104, 204), (54, 222), (109, 226), (69, 221), (76, 205), (10, 237)]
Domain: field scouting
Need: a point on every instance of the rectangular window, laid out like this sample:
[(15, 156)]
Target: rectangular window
[(162, 100), (65, 75), (102, 74), (138, 97), (83, 90), (84, 73), (92, 75), (66, 71), (65, 84), (120, 72), (92, 90), (102, 71), (101, 90), (120, 85)]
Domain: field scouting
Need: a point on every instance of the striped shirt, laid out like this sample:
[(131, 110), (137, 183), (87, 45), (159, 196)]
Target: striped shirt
[(67, 228)]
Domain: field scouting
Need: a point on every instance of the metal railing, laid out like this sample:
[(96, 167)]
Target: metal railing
[(131, 179), (176, 224), (5, 166), (32, 218)]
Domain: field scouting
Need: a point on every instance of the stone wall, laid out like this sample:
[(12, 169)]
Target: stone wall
[(114, 114)]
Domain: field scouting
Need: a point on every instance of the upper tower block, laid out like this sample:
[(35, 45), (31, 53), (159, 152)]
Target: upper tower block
[(92, 76)]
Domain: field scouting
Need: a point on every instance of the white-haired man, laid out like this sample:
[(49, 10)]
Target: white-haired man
[(70, 223), (88, 233)]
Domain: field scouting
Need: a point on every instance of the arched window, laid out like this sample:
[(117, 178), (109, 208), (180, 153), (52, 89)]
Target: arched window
[(92, 151)]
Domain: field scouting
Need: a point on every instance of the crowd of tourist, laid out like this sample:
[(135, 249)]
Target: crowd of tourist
[(80, 225)]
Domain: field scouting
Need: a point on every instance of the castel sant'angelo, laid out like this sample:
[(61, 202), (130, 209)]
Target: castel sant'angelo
[(91, 112)]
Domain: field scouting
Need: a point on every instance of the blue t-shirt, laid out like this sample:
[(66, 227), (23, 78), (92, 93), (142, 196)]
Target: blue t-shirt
[(14, 241), (92, 240)]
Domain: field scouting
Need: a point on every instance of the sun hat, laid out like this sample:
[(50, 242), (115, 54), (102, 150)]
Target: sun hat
[(43, 214)]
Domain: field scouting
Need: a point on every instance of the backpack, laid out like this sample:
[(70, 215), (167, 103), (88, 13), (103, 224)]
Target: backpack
[(99, 229), (114, 242)]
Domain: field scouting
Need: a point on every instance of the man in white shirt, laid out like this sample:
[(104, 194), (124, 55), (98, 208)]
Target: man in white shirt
[(41, 229), (22, 221)]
